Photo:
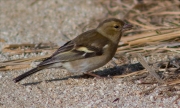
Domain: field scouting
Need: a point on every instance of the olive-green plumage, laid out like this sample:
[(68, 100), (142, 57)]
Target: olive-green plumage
[(88, 51)]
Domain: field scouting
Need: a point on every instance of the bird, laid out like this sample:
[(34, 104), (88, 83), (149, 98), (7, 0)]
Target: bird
[(86, 52)]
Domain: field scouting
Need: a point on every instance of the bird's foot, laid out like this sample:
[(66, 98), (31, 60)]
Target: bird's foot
[(94, 75)]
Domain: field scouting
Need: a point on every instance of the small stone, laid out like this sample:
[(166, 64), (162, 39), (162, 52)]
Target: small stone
[(58, 101), (152, 98), (0, 76)]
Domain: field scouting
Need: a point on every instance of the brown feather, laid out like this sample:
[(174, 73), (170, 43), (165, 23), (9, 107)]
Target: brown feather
[(92, 40)]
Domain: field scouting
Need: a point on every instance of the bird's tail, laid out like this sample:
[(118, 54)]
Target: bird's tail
[(24, 75)]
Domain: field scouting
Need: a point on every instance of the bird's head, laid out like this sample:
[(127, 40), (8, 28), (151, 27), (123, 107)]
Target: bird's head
[(113, 28)]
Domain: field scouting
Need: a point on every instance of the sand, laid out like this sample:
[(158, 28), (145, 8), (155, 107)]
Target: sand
[(57, 21)]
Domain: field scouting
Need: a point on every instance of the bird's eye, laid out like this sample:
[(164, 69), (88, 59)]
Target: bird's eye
[(116, 26)]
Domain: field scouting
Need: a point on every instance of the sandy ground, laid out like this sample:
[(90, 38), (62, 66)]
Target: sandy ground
[(35, 21)]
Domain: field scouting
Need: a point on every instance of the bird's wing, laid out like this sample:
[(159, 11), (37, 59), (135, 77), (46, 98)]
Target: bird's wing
[(86, 45)]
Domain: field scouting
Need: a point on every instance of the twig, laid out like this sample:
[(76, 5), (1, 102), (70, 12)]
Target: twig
[(131, 74), (176, 99), (148, 68), (147, 90)]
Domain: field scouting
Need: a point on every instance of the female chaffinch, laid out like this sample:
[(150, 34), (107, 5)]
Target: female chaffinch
[(88, 51)]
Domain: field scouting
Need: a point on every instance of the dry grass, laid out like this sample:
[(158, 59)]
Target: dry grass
[(156, 29)]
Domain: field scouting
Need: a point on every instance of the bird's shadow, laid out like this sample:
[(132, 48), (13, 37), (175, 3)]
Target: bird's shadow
[(117, 70)]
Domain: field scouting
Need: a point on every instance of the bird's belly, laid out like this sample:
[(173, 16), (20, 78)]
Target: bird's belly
[(86, 65)]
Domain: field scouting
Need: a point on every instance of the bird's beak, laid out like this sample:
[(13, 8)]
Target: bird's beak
[(127, 27)]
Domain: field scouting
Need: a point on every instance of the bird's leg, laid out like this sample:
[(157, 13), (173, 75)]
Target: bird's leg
[(94, 75)]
